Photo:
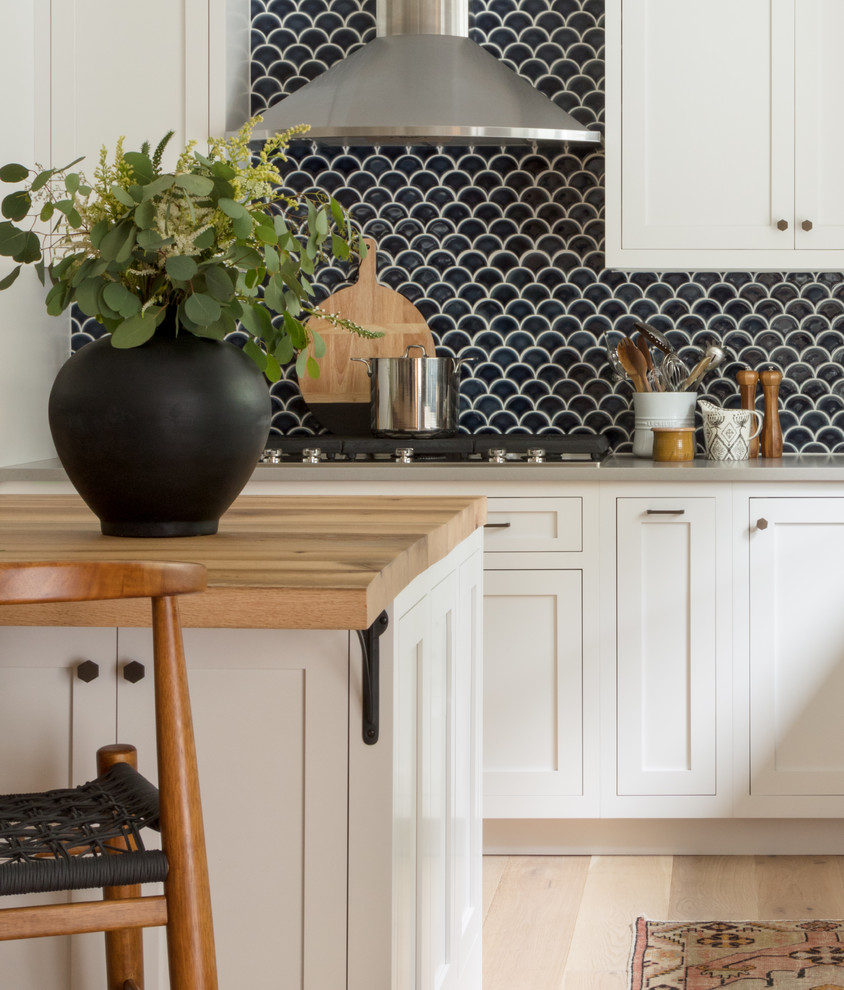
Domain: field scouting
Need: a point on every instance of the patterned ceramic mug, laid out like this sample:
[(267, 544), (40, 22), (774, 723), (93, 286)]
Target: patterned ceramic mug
[(726, 432)]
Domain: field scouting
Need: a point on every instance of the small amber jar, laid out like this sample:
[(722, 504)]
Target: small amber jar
[(674, 443)]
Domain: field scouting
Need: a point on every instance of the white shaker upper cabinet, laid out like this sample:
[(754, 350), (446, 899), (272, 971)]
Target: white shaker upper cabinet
[(136, 70), (719, 149)]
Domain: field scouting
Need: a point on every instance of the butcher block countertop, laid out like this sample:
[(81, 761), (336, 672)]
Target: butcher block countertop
[(277, 562)]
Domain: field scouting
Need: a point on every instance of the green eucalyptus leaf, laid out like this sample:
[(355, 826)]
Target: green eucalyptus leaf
[(39, 271), (202, 308), (75, 161), (321, 223), (16, 205), (257, 320), (301, 364), (223, 189), (57, 299), (223, 170), (118, 297), (338, 213), (98, 232), (285, 350), (13, 172), (265, 233), (71, 182), (196, 185), (151, 240), (41, 179), (12, 238), (88, 296), (274, 294), (251, 349), (181, 267), (31, 250), (145, 213), (233, 209), (297, 332), (242, 226), (113, 243), (158, 186), (218, 282), (10, 278), (216, 331), (122, 196), (46, 212), (339, 248), (313, 367), (272, 369), (135, 331), (205, 239), (280, 226), (141, 165), (318, 344), (272, 262)]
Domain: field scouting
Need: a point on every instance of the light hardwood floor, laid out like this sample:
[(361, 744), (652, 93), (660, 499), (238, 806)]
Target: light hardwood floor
[(553, 922)]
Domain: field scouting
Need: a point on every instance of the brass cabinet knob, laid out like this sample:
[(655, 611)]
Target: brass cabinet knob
[(782, 224), (761, 523), (806, 225)]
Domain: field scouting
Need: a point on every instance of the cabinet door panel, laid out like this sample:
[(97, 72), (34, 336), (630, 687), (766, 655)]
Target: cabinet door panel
[(533, 681), (271, 720), (706, 138), (797, 646), (51, 724), (97, 40), (819, 148), (666, 646)]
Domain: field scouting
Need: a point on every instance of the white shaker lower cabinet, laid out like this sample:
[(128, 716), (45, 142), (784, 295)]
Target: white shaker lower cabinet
[(540, 703), (334, 864), (796, 675), (667, 673)]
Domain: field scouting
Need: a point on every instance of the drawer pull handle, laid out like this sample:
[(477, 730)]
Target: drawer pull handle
[(761, 523), (88, 671), (504, 525), (134, 672), (665, 512)]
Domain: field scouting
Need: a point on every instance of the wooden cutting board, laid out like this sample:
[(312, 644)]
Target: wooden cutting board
[(339, 398)]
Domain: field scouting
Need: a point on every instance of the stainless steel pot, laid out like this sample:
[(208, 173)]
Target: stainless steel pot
[(414, 396)]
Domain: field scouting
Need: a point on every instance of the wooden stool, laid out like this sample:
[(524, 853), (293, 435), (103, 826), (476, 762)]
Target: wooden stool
[(91, 836)]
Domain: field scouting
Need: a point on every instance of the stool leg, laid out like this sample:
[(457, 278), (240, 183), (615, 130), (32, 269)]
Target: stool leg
[(124, 947)]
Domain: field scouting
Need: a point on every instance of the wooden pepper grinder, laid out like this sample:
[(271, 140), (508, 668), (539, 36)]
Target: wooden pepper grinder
[(771, 444), (747, 381)]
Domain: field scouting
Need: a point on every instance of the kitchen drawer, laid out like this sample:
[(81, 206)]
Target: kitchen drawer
[(534, 524)]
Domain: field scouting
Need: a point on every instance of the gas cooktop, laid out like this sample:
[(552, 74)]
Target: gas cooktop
[(481, 448)]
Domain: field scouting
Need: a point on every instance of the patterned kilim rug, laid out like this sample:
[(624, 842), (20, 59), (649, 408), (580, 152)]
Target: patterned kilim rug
[(742, 955)]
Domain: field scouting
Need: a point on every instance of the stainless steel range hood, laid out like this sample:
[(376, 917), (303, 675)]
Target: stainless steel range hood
[(423, 81)]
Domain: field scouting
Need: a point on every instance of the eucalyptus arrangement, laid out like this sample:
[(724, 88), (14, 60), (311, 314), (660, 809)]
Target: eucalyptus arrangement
[(215, 243)]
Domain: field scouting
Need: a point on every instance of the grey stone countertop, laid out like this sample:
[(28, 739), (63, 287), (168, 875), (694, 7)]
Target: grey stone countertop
[(616, 468)]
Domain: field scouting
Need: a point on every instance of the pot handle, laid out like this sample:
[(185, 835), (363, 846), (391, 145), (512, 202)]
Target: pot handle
[(420, 347), (367, 362)]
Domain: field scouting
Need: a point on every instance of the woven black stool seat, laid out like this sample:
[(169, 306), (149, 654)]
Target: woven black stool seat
[(61, 839)]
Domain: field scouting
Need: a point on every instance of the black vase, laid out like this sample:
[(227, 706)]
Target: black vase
[(159, 439)]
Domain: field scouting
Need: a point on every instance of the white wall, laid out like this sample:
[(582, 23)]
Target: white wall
[(33, 345)]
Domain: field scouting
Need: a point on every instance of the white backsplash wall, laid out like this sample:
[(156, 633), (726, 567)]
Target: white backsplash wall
[(502, 248)]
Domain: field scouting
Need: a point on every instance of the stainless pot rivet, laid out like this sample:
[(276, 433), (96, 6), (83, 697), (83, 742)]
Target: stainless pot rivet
[(496, 455), (311, 455), (536, 455), (404, 455)]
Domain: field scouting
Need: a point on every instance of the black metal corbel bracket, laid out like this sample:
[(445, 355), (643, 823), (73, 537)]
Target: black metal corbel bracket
[(370, 658)]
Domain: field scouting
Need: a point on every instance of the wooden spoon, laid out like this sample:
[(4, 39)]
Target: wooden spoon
[(642, 344), (633, 363)]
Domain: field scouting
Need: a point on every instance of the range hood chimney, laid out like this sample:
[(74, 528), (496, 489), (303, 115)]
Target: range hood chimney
[(423, 81)]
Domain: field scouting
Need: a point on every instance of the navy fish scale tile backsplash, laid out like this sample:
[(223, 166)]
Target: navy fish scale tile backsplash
[(502, 248)]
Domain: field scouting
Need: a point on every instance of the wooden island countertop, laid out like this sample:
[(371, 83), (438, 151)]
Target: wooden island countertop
[(277, 562)]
